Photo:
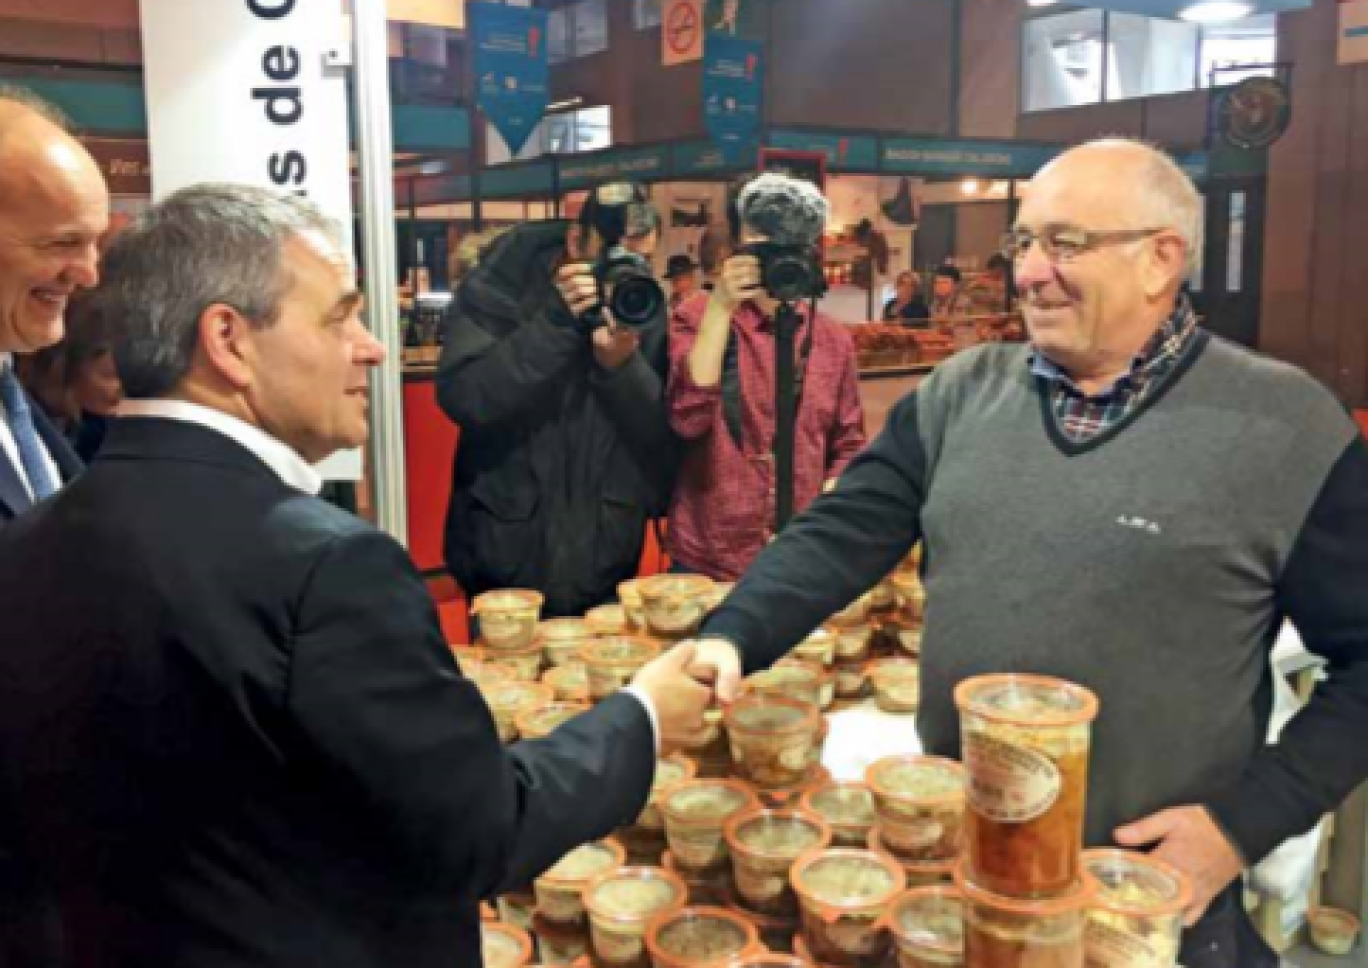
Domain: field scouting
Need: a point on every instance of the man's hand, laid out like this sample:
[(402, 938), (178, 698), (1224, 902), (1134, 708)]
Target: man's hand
[(738, 282), (678, 698), (614, 345), (1189, 840), (578, 287), (716, 661)]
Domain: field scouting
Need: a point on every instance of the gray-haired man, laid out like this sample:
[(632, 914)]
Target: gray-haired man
[(232, 732)]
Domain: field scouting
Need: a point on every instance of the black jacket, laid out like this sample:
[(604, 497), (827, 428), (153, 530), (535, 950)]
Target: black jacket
[(232, 734), (14, 498), (561, 464)]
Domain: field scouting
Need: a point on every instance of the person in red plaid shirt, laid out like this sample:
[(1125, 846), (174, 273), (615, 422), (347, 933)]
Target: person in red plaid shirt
[(721, 391)]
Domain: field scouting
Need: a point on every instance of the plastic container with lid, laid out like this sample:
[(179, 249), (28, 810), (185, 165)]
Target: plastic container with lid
[(524, 664), (853, 642), (559, 944), (696, 813), (504, 946), (622, 903), (772, 738), (569, 682), (543, 721), (674, 605), (510, 699), (927, 924), (763, 845), (563, 638), (1136, 917), (476, 666), (920, 873), (848, 808), (699, 937), (919, 802), (670, 772), (560, 890), (709, 886), (824, 676), (794, 680), (1002, 932), (819, 648), (843, 895), (897, 684), (508, 617), (613, 660), (608, 619), (1333, 931), (1025, 741)]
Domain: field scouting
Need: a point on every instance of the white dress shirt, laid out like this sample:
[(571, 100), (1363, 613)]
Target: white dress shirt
[(11, 447), (292, 469)]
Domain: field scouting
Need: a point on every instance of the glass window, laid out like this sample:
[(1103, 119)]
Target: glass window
[(590, 25), (645, 13), (1253, 40), (567, 133), (1148, 56), (558, 36), (1062, 62)]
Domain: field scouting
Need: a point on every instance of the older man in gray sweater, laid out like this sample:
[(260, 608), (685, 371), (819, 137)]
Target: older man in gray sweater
[(1130, 503)]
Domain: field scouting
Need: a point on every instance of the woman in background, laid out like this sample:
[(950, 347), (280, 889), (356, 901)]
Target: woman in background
[(907, 305)]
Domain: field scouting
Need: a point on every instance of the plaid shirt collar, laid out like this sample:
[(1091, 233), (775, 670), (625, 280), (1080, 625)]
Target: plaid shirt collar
[(1155, 358)]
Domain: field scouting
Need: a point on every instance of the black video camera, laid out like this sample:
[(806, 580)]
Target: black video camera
[(789, 273), (627, 287)]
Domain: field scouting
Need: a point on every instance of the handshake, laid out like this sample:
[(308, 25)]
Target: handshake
[(685, 682)]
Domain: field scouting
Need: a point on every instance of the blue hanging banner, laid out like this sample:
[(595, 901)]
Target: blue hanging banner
[(732, 87), (510, 68)]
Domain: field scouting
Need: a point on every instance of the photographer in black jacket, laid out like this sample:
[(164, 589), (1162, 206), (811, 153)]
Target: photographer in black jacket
[(565, 450)]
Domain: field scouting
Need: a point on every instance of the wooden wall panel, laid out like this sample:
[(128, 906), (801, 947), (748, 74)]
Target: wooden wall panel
[(990, 69)]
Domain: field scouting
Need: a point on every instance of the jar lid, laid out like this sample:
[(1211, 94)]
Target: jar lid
[(840, 879), (930, 917), (507, 600), (1027, 700), (634, 894), (700, 936), (924, 779), (1076, 898), (759, 832), (1136, 884), (585, 863)]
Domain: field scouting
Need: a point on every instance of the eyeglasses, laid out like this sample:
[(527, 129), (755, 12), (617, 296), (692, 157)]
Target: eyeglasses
[(1062, 243)]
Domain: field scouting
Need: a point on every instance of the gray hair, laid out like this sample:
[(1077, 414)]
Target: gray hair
[(786, 210), (204, 245), (642, 219)]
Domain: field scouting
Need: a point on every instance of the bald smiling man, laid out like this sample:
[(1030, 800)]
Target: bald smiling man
[(53, 209)]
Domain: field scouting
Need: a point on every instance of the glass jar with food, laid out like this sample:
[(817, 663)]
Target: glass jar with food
[(560, 890), (699, 937), (843, 895), (569, 682), (613, 660), (674, 605), (824, 677), (670, 772), (508, 617), (504, 946), (764, 844), (543, 721), (1002, 932), (847, 806), (523, 664), (610, 619), (1025, 744), (919, 803), (772, 738), (621, 904), (819, 648), (928, 928), (696, 814), (563, 638), (508, 699), (1136, 919), (796, 680), (897, 684), (1333, 931)]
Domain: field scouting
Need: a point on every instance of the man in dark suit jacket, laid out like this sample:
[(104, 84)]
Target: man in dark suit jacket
[(53, 209), (231, 732)]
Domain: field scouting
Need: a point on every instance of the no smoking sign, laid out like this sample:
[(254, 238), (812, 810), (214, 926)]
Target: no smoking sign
[(681, 32)]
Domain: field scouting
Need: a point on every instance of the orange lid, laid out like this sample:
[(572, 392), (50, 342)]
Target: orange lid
[(992, 698), (742, 795), (741, 822), (674, 586), (812, 799), (877, 776), (802, 716), (1111, 868), (1075, 899), (615, 650), (504, 946), (564, 630), (594, 904), (927, 901), (507, 598), (615, 859), (831, 908), (662, 928)]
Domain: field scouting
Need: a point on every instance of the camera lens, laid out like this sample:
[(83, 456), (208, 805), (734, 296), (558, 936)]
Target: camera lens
[(789, 278), (636, 299)]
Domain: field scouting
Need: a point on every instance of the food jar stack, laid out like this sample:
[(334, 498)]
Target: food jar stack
[(1026, 894), (919, 805), (561, 920), (763, 845)]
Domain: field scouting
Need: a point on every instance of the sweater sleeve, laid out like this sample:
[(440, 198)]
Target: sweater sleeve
[(1321, 756), (846, 542)]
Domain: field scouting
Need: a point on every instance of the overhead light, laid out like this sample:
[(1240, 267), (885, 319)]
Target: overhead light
[(566, 105), (1216, 11), (970, 186), (1041, 3)]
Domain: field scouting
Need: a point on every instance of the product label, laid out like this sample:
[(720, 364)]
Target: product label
[(1108, 946), (1009, 783)]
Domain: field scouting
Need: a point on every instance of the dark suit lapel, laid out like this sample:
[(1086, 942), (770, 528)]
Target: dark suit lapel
[(13, 495), (63, 455)]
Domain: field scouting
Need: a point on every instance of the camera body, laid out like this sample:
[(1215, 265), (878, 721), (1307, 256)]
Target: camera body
[(789, 273), (627, 287)]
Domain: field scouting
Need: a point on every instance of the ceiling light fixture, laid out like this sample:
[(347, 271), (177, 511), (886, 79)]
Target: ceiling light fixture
[(1041, 3), (970, 186), (1216, 11)]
